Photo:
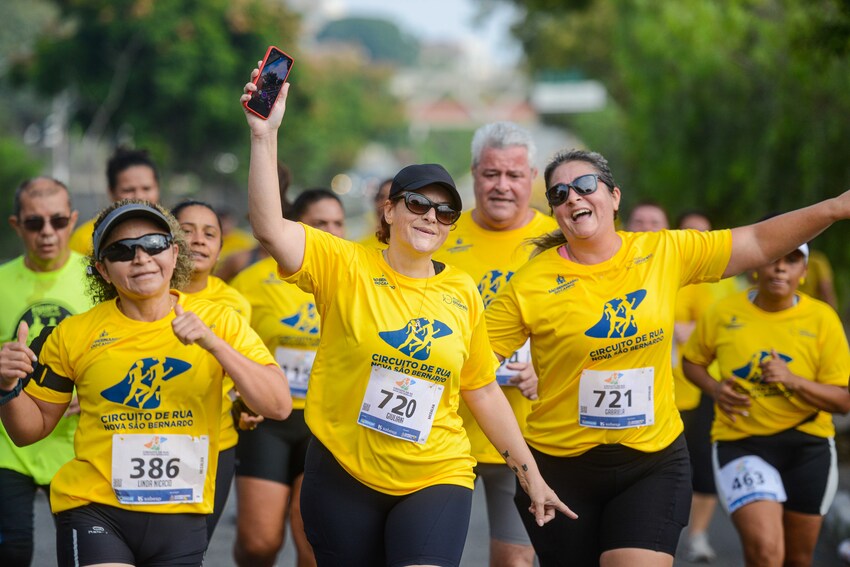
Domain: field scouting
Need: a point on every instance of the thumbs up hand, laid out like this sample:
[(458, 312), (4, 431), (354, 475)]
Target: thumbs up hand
[(16, 359)]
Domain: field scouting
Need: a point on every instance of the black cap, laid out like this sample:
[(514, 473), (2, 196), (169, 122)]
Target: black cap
[(126, 212), (417, 176)]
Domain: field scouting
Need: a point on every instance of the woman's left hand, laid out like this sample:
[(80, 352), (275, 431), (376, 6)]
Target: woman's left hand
[(544, 502), (190, 330), (774, 370)]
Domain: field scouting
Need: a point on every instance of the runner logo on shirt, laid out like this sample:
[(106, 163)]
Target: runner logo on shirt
[(751, 371), (618, 317), (141, 387), (416, 337), (305, 320), (491, 283)]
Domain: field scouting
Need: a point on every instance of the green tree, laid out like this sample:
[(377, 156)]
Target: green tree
[(383, 41), (731, 106)]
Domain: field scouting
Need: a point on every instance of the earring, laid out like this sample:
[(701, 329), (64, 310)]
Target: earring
[(755, 276), (802, 280)]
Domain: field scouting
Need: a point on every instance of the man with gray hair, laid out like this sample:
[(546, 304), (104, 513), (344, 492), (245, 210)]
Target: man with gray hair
[(40, 288), (490, 243)]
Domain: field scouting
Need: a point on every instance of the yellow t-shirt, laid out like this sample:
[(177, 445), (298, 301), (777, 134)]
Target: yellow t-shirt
[(419, 340), (138, 384), (286, 319), (604, 329), (219, 292), (81, 238), (692, 302), (371, 241), (739, 335), (491, 257)]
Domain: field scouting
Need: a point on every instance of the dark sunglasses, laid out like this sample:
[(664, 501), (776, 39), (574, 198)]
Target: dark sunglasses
[(419, 204), (35, 224), (125, 250), (583, 185)]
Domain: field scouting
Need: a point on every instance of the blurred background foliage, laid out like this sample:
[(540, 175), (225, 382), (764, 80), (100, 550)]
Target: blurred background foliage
[(738, 108)]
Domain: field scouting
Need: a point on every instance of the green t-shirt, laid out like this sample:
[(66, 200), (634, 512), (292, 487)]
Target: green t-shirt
[(41, 299)]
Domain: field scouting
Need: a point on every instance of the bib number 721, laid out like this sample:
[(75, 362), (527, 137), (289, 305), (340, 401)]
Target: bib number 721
[(613, 398)]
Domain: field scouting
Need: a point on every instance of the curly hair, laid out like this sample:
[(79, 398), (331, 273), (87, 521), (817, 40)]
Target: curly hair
[(100, 290)]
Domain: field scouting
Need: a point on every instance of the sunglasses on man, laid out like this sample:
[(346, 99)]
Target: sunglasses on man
[(419, 204), (36, 224), (583, 185), (125, 250)]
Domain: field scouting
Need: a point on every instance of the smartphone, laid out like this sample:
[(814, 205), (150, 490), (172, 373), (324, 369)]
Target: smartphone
[(273, 73)]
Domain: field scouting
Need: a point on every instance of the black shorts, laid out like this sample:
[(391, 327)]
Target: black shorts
[(623, 498), (223, 480), (348, 523), (275, 450), (17, 498), (698, 436), (97, 533), (807, 465)]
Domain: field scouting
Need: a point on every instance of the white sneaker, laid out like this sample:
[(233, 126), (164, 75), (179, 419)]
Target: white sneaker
[(699, 550)]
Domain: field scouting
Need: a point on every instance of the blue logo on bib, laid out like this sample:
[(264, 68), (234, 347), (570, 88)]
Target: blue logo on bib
[(305, 320), (751, 371), (618, 317), (141, 387), (416, 337)]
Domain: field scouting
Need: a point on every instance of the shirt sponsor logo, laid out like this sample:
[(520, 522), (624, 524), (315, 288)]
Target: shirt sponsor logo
[(618, 317), (273, 279), (491, 283), (459, 246), (39, 316), (102, 339), (142, 385), (734, 324), (305, 320), (562, 284), (642, 260), (382, 282), (415, 338), (454, 302)]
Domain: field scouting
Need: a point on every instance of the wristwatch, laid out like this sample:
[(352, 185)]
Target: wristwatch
[(7, 396)]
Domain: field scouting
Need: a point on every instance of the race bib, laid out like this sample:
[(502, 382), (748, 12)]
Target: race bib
[(748, 479), (296, 364), (616, 399), (400, 406), (503, 374), (159, 469)]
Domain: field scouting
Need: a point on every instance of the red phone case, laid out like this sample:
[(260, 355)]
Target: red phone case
[(261, 102)]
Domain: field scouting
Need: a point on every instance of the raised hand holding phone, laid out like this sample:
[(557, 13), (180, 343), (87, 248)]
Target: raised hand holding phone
[(269, 81)]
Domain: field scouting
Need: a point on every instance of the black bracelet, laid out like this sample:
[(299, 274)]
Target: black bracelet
[(7, 396)]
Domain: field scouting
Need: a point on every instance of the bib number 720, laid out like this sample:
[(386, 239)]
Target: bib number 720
[(155, 468), (405, 406), (614, 397)]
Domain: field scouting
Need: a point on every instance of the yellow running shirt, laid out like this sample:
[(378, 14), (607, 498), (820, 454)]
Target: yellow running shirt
[(491, 257), (150, 407), (394, 354), (808, 336), (81, 238), (286, 319), (219, 292), (601, 338)]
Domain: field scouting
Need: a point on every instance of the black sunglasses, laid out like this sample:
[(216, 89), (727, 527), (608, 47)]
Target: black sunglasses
[(35, 224), (125, 250), (419, 204), (583, 185)]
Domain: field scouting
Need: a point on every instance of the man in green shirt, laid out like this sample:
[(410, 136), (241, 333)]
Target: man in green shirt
[(42, 287)]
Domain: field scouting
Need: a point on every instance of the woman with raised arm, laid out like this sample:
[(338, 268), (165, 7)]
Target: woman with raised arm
[(598, 305), (388, 477), (147, 363), (784, 365)]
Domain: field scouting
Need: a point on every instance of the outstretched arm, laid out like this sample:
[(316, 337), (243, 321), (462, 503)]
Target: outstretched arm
[(282, 238), (757, 244)]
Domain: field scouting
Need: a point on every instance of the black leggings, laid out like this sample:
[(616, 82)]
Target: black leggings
[(349, 524), (17, 496)]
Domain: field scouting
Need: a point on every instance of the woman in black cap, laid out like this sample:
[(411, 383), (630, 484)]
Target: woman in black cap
[(147, 363), (388, 478)]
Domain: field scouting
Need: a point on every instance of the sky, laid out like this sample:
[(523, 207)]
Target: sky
[(440, 20)]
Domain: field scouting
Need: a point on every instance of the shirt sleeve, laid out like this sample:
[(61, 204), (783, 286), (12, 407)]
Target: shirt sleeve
[(505, 324), (704, 255), (835, 354), (480, 368), (326, 261), (700, 348)]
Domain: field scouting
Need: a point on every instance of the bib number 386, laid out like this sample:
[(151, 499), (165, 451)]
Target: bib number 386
[(159, 469)]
